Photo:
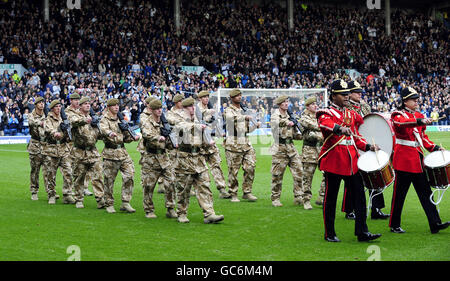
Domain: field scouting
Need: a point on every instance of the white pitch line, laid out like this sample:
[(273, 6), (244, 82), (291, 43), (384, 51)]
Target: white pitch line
[(12, 150)]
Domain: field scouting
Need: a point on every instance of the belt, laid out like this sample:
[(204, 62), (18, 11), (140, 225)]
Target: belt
[(407, 142), (49, 141), (84, 147), (189, 149), (36, 138), (113, 146), (346, 142), (156, 150), (310, 143), (285, 141)]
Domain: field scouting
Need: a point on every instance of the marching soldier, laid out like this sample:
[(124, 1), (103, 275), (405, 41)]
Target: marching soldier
[(312, 141), (409, 128), (238, 148), (85, 154), (72, 110), (57, 155), (211, 152), (35, 146), (191, 169), (362, 109), (116, 157), (338, 159), (155, 162), (284, 152)]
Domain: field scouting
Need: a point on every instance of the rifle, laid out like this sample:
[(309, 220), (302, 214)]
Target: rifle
[(292, 118), (123, 125), (247, 113), (166, 131), (216, 123), (65, 125), (95, 120), (207, 131)]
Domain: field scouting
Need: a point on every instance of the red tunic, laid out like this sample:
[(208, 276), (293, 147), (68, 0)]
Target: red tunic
[(335, 157), (410, 137)]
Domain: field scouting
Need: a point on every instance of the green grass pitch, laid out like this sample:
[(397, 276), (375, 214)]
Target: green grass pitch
[(34, 230)]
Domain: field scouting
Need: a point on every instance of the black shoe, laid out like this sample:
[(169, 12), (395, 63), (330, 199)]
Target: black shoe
[(332, 239), (378, 214), (440, 226), (367, 236), (397, 230), (350, 216)]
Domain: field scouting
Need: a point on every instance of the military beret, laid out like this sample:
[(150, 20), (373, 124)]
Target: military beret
[(38, 99), (409, 93), (203, 94), (281, 99), (188, 102), (310, 100), (339, 86), (55, 102), (112, 102), (155, 104), (354, 87), (178, 97), (149, 99), (83, 100), (234, 93), (74, 96)]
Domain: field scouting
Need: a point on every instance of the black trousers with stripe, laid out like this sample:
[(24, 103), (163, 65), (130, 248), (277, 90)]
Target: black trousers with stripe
[(402, 183), (355, 184), (347, 202)]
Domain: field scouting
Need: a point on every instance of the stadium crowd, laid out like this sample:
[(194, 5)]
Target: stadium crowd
[(132, 50)]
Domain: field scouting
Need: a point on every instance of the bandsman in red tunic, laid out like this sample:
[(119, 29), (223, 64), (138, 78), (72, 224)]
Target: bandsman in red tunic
[(409, 128), (338, 159)]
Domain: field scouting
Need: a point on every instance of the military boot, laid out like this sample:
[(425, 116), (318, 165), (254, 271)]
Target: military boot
[(250, 197), (234, 198), (110, 209), (34, 197), (150, 215), (52, 200), (126, 207), (298, 201), (68, 199), (277, 203), (101, 203), (87, 192), (224, 194), (171, 214), (182, 219), (307, 205), (213, 218), (79, 205)]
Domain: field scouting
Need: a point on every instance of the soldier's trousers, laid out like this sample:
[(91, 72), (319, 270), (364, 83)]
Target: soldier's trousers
[(204, 195), (308, 174), (87, 177), (279, 164), (52, 164), (82, 168), (248, 162), (110, 170), (149, 178), (36, 163), (214, 161)]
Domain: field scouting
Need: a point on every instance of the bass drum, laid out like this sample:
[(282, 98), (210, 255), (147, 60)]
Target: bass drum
[(378, 127)]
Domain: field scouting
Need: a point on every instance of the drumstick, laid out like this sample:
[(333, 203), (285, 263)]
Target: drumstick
[(376, 151)]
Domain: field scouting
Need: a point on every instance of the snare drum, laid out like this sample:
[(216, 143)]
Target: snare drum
[(437, 169), (376, 169), (378, 126)]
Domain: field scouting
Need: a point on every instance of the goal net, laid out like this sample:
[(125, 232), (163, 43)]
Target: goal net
[(261, 102)]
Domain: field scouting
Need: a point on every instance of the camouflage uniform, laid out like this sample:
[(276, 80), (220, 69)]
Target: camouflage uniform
[(191, 169), (70, 112), (239, 150), (212, 156), (284, 154), (312, 142), (57, 154), (34, 148), (115, 158), (86, 156), (155, 163)]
